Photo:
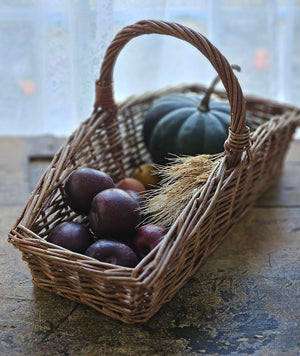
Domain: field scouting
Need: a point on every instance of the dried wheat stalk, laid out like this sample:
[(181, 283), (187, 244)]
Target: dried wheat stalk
[(179, 182)]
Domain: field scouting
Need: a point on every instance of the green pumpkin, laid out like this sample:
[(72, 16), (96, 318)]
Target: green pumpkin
[(179, 124)]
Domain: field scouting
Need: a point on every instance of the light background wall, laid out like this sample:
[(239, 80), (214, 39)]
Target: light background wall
[(51, 52)]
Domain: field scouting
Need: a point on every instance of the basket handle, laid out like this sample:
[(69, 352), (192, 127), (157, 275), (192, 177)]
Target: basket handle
[(238, 139)]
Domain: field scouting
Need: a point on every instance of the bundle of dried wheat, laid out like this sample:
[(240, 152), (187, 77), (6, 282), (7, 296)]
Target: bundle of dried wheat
[(179, 182)]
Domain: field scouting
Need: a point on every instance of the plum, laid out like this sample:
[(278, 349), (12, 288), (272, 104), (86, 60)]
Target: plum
[(114, 214), (114, 252), (131, 184), (82, 185), (146, 238), (71, 235)]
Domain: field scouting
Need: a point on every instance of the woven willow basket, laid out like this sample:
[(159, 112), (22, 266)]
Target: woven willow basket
[(113, 134)]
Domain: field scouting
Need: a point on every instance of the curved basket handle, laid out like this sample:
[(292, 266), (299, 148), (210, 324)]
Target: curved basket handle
[(238, 139)]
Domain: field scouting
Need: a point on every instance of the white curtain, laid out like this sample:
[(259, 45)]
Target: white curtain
[(51, 52)]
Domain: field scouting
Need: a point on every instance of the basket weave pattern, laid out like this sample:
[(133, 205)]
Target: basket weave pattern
[(111, 137)]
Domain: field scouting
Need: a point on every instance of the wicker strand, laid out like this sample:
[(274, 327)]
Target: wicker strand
[(238, 142), (104, 96)]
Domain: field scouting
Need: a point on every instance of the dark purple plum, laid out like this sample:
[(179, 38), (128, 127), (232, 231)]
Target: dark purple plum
[(71, 235), (114, 214), (146, 238), (114, 252), (82, 185)]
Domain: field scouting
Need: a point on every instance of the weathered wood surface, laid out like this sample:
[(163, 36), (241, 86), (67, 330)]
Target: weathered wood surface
[(244, 300)]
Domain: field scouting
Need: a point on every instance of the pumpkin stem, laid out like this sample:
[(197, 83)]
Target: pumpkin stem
[(204, 105)]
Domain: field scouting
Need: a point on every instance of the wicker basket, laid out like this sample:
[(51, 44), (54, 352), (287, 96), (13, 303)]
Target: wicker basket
[(113, 134)]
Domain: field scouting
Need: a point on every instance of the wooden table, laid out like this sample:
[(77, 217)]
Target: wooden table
[(244, 300)]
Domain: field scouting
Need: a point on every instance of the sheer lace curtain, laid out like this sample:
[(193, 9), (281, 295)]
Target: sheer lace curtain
[(51, 53)]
